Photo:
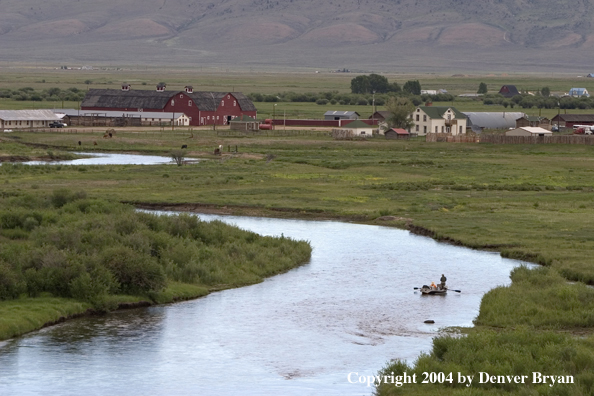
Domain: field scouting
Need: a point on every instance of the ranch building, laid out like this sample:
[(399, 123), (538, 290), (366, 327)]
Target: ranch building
[(201, 108), (23, 119)]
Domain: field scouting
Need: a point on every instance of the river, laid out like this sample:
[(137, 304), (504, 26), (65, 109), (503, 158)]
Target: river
[(351, 309)]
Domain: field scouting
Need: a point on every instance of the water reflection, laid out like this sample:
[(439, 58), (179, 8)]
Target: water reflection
[(351, 309)]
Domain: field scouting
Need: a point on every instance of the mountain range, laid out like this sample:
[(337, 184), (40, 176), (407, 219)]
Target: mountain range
[(382, 35)]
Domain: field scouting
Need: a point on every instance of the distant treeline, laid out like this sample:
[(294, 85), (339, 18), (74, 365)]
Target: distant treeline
[(527, 101), (72, 246), (50, 94), (334, 97)]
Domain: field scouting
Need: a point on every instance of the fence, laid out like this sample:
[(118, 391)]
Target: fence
[(562, 139), (449, 138), (273, 132)]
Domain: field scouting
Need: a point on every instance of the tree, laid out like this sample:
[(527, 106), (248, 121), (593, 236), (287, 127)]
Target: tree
[(545, 91), (360, 84), (378, 84), (400, 110), (412, 87), (482, 88)]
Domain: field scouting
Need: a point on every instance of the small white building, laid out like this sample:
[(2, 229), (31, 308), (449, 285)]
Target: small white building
[(23, 119), (359, 128), (529, 131)]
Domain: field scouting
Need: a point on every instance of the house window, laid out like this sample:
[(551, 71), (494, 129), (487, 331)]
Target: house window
[(228, 96), (189, 103), (436, 129), (442, 129), (417, 117), (217, 118), (153, 119), (222, 103), (172, 102), (234, 103), (424, 117), (181, 96), (417, 128), (424, 129), (208, 118), (460, 129)]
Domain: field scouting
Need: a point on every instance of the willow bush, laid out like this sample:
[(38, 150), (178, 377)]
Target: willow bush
[(72, 246)]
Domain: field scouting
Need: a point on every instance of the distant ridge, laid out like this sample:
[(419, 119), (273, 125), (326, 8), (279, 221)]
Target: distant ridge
[(421, 35)]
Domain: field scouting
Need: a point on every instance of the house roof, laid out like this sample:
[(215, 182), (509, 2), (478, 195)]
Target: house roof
[(28, 115), (438, 111), (356, 125), (574, 117), (145, 99), (382, 113), (339, 113), (492, 120)]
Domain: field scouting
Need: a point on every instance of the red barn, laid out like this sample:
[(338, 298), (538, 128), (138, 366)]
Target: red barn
[(203, 108)]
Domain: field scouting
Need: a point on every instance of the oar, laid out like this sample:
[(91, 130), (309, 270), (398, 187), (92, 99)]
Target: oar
[(457, 291)]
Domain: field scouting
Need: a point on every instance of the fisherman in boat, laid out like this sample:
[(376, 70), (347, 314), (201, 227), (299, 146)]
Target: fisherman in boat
[(433, 287), (443, 282)]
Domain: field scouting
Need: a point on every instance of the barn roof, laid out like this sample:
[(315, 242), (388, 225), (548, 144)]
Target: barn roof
[(145, 99), (28, 115), (493, 120), (509, 90), (574, 117), (382, 113)]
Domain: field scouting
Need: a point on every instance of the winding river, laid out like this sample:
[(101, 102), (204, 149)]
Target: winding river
[(351, 309)]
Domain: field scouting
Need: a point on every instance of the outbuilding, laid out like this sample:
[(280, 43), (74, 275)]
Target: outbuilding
[(23, 119), (509, 91), (529, 131), (341, 115), (477, 121), (397, 133)]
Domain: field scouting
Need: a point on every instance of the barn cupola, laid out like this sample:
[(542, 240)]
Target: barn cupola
[(161, 87), (125, 87), (189, 89)]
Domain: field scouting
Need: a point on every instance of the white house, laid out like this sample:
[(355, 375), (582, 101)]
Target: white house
[(438, 119), (529, 131)]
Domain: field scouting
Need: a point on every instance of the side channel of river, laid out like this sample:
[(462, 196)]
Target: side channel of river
[(351, 309)]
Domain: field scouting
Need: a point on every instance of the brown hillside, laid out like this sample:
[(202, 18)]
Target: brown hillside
[(356, 34)]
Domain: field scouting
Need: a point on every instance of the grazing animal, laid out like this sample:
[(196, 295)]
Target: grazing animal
[(94, 143), (185, 146), (79, 143), (110, 135)]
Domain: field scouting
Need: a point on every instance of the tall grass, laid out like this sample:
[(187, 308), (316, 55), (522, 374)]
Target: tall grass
[(77, 247)]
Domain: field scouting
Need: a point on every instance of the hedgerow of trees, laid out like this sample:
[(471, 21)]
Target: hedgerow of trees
[(51, 94), (72, 246)]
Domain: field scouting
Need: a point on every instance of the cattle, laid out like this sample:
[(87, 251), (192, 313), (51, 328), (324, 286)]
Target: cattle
[(94, 143), (79, 143), (185, 146)]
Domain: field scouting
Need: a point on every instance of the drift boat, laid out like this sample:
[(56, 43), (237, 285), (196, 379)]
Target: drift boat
[(430, 290)]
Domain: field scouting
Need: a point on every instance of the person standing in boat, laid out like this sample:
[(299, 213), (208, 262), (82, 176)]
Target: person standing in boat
[(443, 281)]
